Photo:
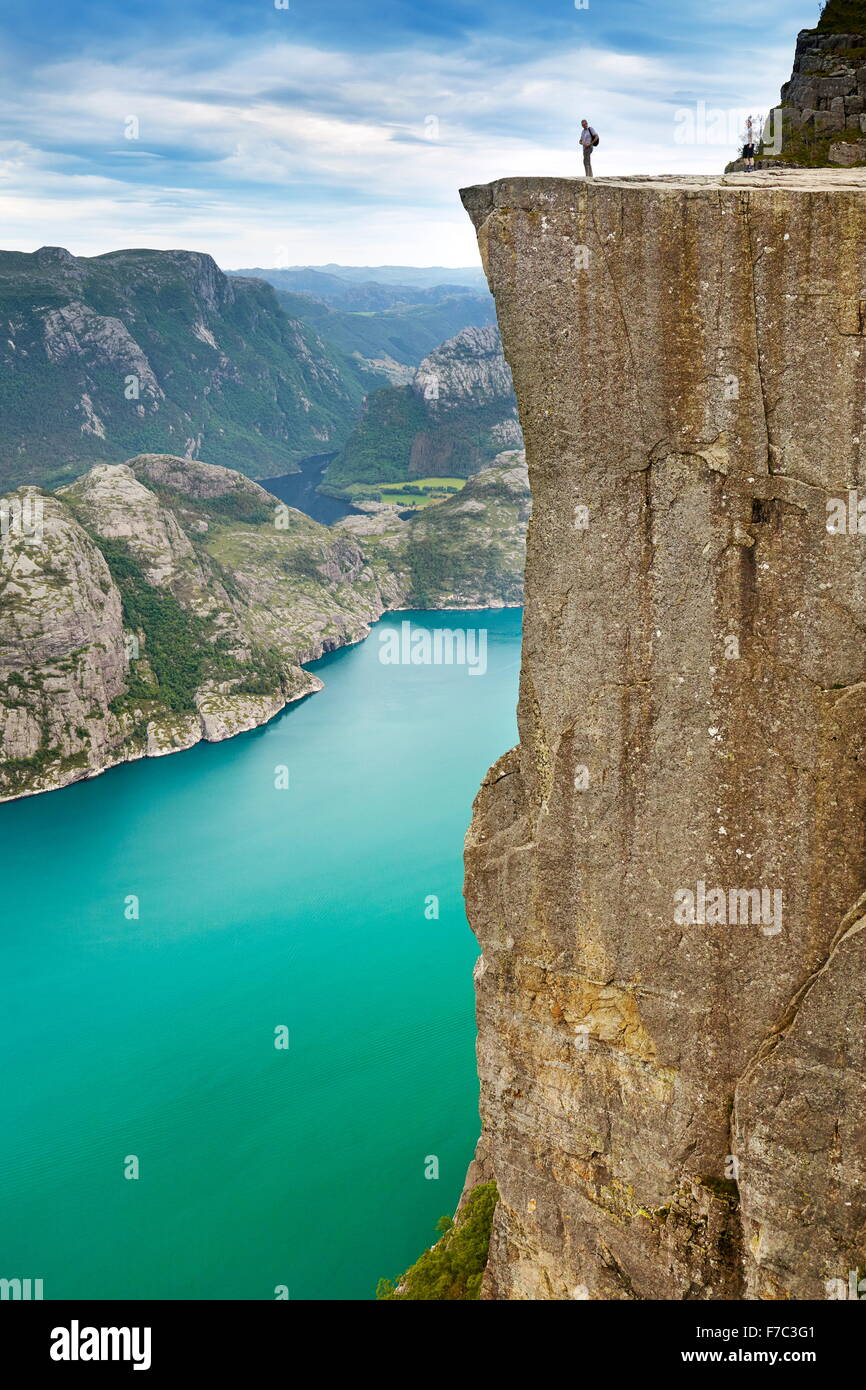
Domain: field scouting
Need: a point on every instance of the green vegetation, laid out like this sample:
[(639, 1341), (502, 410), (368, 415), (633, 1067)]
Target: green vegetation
[(809, 147), (380, 448), (262, 675), (236, 506), (440, 555), (843, 17), (726, 1189), (453, 1268), (178, 652), (435, 484), (400, 431), (422, 492), (19, 774), (174, 640)]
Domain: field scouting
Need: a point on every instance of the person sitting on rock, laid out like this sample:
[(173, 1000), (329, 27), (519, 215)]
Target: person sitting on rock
[(749, 157), (588, 139)]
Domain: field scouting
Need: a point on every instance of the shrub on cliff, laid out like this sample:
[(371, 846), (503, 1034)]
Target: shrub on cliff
[(843, 17), (175, 640), (453, 1268)]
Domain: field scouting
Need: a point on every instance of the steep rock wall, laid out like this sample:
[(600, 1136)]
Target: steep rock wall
[(676, 1110)]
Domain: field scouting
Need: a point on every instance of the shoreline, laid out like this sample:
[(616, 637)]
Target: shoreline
[(314, 687)]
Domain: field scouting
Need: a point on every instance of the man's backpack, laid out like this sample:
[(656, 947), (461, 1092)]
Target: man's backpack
[(595, 139)]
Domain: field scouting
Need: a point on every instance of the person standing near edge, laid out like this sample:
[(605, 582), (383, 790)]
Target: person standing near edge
[(588, 139)]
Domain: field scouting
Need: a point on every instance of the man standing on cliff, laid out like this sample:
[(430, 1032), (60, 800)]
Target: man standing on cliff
[(588, 138)]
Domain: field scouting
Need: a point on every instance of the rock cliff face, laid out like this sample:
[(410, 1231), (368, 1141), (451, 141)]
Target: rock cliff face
[(673, 1067), (62, 658), (822, 108)]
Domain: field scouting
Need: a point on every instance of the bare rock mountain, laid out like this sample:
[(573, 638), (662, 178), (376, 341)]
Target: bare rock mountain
[(821, 116)]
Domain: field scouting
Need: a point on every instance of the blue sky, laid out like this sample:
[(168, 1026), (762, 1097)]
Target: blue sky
[(338, 130)]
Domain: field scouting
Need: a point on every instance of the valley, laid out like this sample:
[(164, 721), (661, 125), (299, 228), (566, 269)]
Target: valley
[(169, 598)]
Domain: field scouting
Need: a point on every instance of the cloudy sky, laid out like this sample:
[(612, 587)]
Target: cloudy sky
[(340, 130)]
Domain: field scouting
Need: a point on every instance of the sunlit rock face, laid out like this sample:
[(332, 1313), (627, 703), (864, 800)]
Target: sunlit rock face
[(667, 875)]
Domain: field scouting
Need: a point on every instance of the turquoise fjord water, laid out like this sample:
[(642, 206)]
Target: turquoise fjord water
[(258, 908)]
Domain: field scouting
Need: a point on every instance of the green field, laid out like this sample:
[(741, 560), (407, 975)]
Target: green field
[(418, 493)]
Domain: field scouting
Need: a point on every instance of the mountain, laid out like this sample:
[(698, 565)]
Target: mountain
[(122, 635), (822, 108), (422, 276), (465, 552), (353, 295), (152, 604), (457, 414), (393, 338), (107, 356)]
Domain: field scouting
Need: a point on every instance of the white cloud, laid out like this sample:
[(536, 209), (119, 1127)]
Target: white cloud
[(328, 153)]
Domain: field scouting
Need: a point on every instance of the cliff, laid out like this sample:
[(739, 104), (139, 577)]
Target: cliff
[(821, 117), (673, 1064)]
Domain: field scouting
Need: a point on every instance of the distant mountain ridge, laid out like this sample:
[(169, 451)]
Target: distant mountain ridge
[(140, 351), (420, 277), (362, 296), (401, 335), (409, 274)]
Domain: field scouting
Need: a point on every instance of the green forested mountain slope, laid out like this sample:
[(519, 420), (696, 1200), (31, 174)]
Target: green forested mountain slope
[(455, 416), (843, 17), (158, 351)]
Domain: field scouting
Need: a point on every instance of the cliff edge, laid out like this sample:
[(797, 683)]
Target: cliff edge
[(667, 875)]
